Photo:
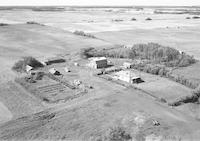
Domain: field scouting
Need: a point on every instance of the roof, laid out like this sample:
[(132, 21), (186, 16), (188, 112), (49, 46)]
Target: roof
[(28, 68), (97, 58), (127, 74), (127, 63)]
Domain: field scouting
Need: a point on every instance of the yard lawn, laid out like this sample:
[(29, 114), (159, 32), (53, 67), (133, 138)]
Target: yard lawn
[(162, 87), (190, 72)]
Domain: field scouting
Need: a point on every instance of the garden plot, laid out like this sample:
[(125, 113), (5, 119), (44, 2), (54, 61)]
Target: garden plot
[(55, 92), (52, 89)]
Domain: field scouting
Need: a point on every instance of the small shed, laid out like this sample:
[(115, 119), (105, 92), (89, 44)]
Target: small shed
[(67, 69), (127, 76), (127, 65), (76, 64), (28, 68), (98, 62), (54, 71), (77, 82)]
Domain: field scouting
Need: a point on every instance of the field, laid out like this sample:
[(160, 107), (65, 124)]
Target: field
[(191, 72), (162, 87), (56, 108), (183, 38)]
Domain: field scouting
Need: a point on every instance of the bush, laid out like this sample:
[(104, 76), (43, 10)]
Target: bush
[(117, 134), (3, 24), (196, 17), (133, 19), (148, 19), (20, 66), (86, 53), (194, 98)]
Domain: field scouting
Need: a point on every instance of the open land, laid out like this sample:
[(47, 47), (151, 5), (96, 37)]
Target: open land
[(54, 108)]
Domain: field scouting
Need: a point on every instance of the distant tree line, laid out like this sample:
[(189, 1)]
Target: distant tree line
[(81, 33), (155, 53), (167, 72)]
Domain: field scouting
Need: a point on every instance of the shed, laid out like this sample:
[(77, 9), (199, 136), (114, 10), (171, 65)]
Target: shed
[(52, 60), (54, 71), (127, 65), (67, 69), (76, 64), (28, 68), (77, 82), (98, 62), (127, 76)]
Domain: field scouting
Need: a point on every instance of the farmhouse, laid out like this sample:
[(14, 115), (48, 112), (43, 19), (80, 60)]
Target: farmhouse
[(98, 62), (127, 65), (127, 76)]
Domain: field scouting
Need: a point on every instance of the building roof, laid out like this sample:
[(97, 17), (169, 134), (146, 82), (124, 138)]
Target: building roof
[(28, 68), (127, 74), (97, 58)]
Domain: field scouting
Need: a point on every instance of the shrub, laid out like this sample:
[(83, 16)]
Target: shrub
[(194, 98), (117, 20), (86, 52), (148, 19), (20, 66), (196, 17), (117, 134), (3, 24), (133, 19)]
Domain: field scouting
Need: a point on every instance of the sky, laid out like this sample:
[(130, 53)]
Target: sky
[(100, 2)]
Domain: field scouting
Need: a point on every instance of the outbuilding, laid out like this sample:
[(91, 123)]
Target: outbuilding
[(67, 69), (28, 68), (127, 65), (54, 71), (127, 76), (98, 62)]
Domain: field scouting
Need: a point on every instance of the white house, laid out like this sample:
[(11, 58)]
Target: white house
[(127, 65), (98, 62), (127, 76)]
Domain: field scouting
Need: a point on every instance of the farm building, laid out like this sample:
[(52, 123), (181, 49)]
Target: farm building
[(67, 69), (54, 71), (28, 68), (127, 76), (127, 65), (53, 60), (98, 62)]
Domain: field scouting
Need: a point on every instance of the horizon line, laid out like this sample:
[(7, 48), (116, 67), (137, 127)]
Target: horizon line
[(100, 5)]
